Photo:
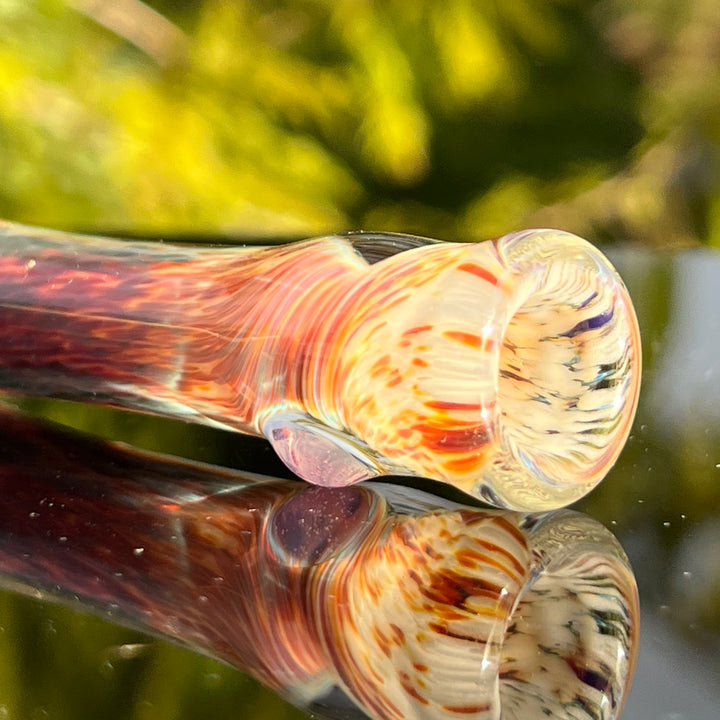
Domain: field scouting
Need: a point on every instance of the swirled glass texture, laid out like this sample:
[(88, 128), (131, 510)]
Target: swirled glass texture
[(369, 600), (508, 368)]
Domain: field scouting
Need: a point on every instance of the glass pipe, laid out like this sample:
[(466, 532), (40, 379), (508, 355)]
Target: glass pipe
[(371, 600), (508, 368)]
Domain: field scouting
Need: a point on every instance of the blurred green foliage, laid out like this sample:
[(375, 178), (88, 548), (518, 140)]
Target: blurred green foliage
[(455, 119)]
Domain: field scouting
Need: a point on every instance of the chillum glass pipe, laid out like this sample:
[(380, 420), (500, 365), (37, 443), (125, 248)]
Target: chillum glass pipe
[(509, 368), (371, 600)]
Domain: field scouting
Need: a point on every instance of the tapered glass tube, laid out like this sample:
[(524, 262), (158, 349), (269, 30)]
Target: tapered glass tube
[(369, 600), (509, 368)]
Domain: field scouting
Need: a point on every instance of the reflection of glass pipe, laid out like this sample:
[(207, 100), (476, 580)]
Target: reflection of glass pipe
[(508, 368), (413, 607)]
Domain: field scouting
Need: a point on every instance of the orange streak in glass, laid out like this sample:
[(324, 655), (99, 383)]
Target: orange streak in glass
[(447, 405), (470, 339), (481, 272)]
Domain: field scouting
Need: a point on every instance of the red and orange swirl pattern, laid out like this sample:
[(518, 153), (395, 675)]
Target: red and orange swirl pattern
[(509, 369)]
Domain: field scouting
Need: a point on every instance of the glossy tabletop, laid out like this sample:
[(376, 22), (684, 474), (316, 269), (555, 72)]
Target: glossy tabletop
[(662, 501)]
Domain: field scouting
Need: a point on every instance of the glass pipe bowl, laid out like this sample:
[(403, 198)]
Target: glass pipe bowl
[(509, 369), (568, 374)]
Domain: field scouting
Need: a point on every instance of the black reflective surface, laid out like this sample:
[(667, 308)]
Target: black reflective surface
[(662, 501)]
